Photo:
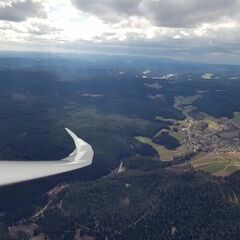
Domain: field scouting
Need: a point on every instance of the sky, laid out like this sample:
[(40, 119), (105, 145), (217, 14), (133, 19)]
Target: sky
[(190, 30)]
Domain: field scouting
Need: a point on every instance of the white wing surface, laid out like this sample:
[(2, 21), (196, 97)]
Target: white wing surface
[(19, 171)]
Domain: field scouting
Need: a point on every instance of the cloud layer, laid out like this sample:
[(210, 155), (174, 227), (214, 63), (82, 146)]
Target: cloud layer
[(189, 30)]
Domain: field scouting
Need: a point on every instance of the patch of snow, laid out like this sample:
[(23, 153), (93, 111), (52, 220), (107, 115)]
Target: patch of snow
[(207, 76), (146, 72), (168, 76)]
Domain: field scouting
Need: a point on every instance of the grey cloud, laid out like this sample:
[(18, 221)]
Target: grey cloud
[(169, 13), (188, 13), (20, 11), (109, 10)]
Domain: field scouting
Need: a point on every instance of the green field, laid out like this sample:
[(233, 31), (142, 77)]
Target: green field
[(211, 121), (221, 164), (181, 135), (236, 118), (160, 118), (164, 153), (189, 100)]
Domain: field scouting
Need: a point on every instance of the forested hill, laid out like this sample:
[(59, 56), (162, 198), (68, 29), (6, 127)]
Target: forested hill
[(145, 201)]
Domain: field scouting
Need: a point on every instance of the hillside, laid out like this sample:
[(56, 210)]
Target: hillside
[(156, 202)]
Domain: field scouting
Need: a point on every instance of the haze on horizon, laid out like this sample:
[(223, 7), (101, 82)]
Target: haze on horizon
[(204, 31)]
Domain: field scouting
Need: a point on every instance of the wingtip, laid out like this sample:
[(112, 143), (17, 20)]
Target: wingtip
[(78, 141), (68, 130), (71, 133)]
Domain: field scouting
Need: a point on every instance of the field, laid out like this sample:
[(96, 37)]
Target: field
[(181, 100), (160, 118), (236, 118), (164, 153), (211, 121), (218, 164), (181, 135), (230, 134)]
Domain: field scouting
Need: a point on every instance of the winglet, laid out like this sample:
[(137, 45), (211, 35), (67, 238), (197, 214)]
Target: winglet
[(83, 151), (75, 138)]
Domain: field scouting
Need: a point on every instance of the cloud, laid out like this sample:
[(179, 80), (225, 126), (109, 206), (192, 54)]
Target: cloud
[(108, 10), (188, 13), (42, 29), (166, 13), (18, 11)]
